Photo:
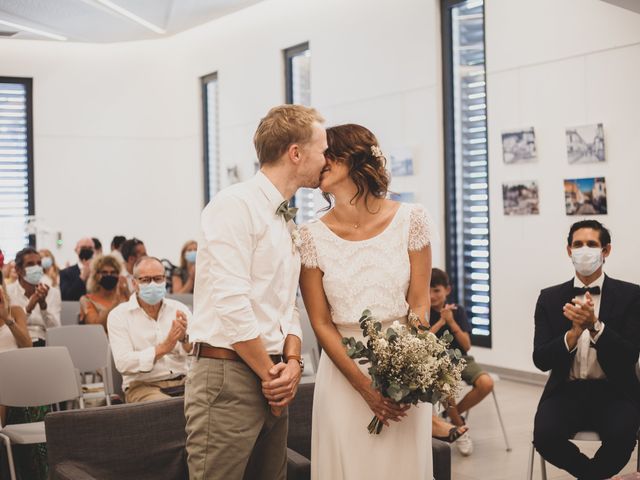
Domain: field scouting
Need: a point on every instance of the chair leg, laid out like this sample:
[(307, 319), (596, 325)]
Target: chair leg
[(504, 431), (543, 468), (532, 454), (12, 468)]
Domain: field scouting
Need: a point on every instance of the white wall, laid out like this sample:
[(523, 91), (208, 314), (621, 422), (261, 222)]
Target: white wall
[(553, 65), (118, 132), (118, 127)]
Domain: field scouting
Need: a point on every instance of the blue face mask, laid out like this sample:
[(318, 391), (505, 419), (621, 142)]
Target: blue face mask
[(152, 292), (190, 256), (47, 262), (33, 274)]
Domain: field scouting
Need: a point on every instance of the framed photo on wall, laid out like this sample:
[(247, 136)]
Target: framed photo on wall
[(519, 146)]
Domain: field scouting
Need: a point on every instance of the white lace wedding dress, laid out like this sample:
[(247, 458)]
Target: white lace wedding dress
[(371, 274)]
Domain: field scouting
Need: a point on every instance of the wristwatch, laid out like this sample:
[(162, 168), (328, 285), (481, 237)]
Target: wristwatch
[(596, 327), (9, 322), (299, 359)]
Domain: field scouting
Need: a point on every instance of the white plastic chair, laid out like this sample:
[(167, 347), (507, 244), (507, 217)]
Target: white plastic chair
[(496, 378), (587, 436), (89, 349), (33, 377), (69, 313)]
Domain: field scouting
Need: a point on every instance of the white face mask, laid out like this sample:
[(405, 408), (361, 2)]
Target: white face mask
[(586, 260)]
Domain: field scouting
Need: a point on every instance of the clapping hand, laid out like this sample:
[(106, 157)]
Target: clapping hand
[(4, 311), (446, 314), (85, 269), (581, 312), (123, 290), (39, 296)]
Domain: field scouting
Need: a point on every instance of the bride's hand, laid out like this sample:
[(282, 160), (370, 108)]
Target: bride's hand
[(383, 408)]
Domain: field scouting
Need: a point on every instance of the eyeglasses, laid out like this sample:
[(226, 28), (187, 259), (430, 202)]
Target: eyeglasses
[(147, 280), (107, 273)]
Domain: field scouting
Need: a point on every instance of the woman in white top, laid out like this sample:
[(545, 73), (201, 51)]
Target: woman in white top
[(13, 331), (365, 252)]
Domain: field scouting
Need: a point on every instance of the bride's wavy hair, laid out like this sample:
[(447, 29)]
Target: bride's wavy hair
[(357, 147)]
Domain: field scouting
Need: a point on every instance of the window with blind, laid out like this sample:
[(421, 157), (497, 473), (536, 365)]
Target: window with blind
[(16, 164), (466, 162), (298, 91), (211, 135)]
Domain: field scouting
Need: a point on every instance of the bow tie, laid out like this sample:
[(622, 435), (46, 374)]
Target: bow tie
[(577, 291), (289, 213)]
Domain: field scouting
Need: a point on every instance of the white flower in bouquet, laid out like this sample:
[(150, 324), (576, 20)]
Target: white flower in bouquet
[(408, 364)]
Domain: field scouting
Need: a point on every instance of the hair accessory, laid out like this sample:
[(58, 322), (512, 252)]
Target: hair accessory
[(376, 152)]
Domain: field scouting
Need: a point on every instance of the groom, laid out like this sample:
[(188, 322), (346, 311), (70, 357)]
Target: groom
[(245, 326)]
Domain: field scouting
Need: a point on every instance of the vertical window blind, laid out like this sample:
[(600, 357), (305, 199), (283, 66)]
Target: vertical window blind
[(467, 185), (16, 163)]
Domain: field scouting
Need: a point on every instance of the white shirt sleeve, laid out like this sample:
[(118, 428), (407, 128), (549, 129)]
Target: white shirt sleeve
[(230, 244), (127, 360), (294, 326)]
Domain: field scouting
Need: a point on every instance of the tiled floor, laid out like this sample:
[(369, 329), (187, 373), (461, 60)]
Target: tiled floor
[(489, 460)]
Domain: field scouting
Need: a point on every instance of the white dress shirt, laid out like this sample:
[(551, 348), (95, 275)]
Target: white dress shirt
[(38, 320), (247, 269), (134, 335), (585, 364)]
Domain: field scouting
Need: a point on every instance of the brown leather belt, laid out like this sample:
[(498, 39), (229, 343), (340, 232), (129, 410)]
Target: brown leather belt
[(204, 350)]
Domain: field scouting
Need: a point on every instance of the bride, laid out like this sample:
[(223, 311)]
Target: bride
[(365, 252)]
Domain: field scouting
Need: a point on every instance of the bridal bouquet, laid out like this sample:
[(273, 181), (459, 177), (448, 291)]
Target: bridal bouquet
[(408, 364)]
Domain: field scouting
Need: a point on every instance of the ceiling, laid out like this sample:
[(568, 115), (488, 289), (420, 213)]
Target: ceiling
[(91, 21)]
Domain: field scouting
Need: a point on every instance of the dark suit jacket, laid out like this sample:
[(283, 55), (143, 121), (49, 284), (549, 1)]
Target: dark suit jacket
[(617, 347), (71, 285)]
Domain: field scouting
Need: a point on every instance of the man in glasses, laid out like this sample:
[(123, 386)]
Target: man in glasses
[(148, 336)]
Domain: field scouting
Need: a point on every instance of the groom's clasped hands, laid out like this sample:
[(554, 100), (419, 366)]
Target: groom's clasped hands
[(281, 389)]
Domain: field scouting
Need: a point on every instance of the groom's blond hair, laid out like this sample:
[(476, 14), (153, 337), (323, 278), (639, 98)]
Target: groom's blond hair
[(283, 126)]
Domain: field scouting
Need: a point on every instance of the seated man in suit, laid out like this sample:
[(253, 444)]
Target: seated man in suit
[(73, 279), (587, 332)]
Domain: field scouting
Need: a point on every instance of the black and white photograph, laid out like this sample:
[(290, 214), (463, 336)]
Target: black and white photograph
[(520, 198), (585, 144), (585, 196), (401, 162), (519, 146)]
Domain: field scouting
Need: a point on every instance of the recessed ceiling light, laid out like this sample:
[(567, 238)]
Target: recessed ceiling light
[(131, 16), (32, 30)]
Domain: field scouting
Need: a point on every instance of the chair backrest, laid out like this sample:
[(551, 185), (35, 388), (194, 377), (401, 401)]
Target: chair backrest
[(87, 344), (69, 312), (186, 298), (30, 377), (299, 435), (137, 440)]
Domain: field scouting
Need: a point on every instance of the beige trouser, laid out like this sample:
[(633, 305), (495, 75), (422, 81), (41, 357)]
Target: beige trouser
[(148, 391), (231, 432)]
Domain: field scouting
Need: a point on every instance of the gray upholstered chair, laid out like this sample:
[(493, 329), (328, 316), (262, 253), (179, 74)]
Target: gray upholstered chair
[(138, 440)]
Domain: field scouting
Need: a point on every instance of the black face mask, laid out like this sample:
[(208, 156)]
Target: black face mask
[(86, 253), (109, 282)]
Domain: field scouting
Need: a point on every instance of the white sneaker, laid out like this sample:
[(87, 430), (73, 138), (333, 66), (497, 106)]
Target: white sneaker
[(464, 444)]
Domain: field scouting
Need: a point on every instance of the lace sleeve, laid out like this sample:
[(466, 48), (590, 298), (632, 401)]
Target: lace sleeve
[(421, 228), (308, 253)]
